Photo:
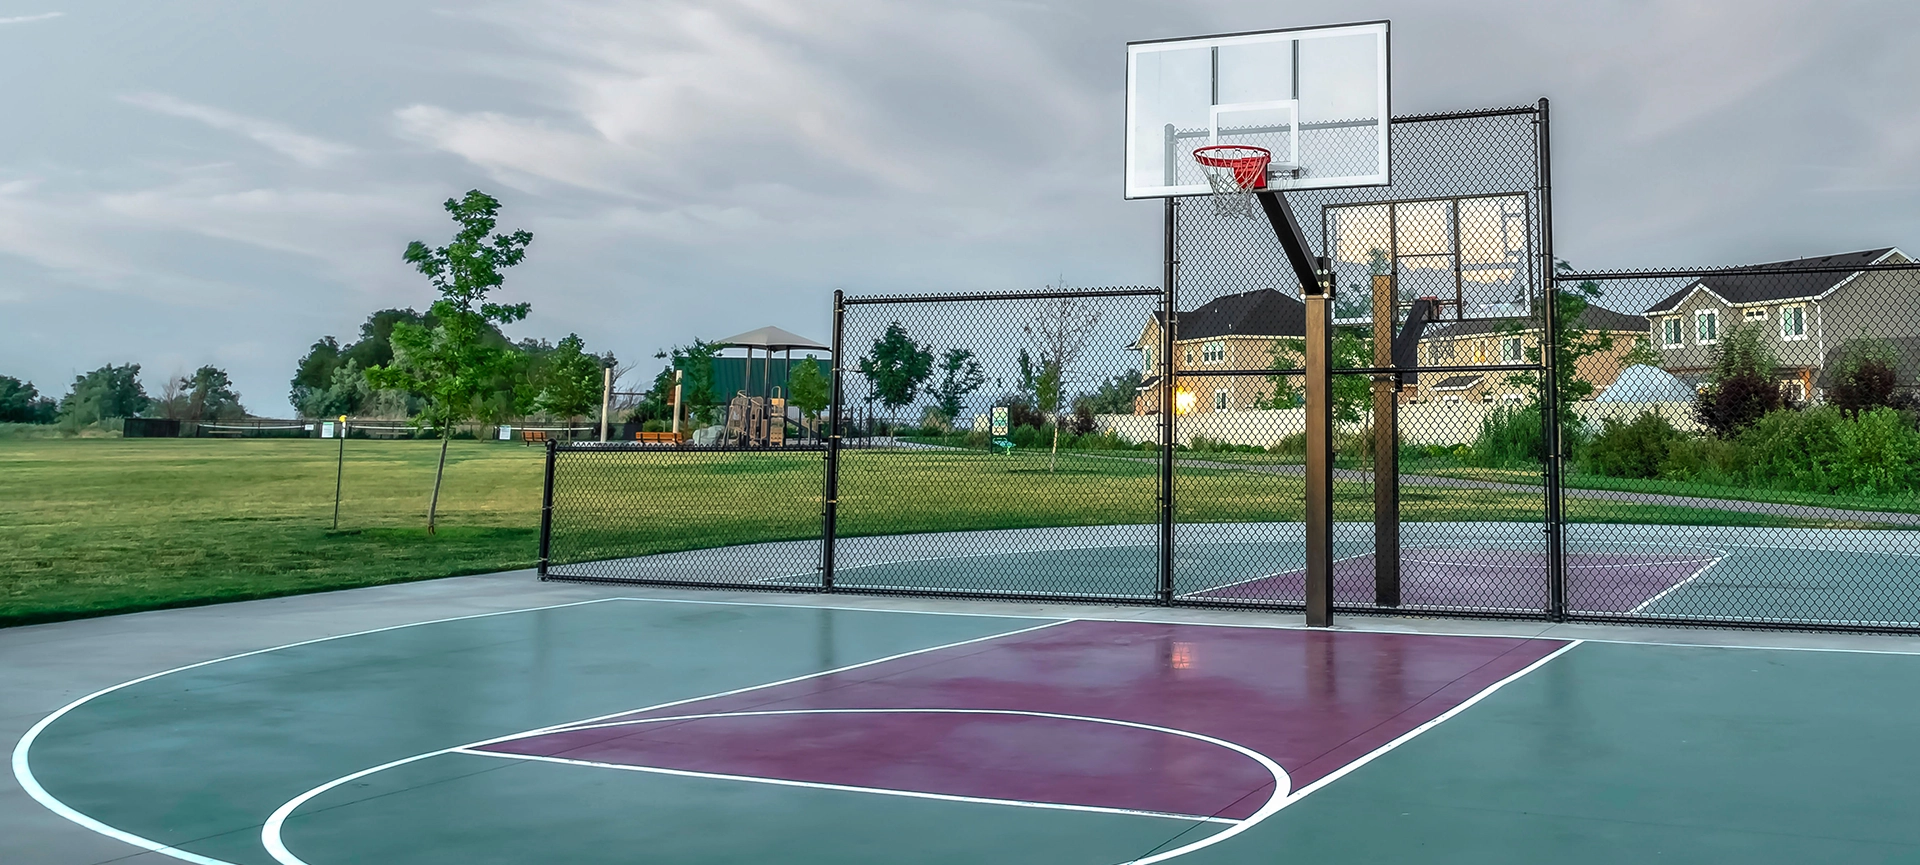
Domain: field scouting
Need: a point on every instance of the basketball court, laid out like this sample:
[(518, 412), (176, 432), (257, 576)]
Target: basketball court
[(689, 728)]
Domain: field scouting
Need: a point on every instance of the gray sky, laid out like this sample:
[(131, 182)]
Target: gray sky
[(224, 181)]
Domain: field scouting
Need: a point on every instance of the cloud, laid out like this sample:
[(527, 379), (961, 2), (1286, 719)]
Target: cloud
[(305, 149), (24, 19)]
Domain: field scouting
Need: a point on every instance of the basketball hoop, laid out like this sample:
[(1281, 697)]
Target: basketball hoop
[(1234, 171)]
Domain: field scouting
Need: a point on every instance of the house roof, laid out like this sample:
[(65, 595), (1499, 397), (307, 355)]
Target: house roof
[(1591, 318), (772, 339), (1457, 382), (1264, 312), (1754, 284), (1906, 361)]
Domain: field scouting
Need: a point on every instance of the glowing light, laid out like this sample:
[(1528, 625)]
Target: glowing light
[(1183, 401)]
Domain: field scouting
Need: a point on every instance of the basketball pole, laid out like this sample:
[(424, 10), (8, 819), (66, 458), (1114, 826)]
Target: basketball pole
[(1316, 292), (1386, 447)]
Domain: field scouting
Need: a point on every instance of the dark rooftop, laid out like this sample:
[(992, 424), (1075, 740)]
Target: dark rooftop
[(1755, 285), (1264, 312), (1592, 318)]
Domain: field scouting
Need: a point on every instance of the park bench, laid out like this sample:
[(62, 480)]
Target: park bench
[(669, 438), (533, 435)]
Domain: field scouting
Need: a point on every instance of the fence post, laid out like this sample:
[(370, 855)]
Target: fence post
[(830, 492), (1169, 317), (1550, 419), (546, 511)]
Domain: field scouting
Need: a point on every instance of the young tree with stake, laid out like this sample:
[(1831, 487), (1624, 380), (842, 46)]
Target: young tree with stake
[(453, 364)]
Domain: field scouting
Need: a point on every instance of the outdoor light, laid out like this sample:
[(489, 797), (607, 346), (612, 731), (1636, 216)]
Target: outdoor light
[(1182, 401)]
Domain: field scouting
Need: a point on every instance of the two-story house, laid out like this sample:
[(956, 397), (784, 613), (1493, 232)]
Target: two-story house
[(1494, 342), (1805, 316), (1235, 332)]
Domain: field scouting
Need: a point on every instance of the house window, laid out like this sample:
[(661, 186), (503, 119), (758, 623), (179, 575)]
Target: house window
[(1794, 389), (1186, 357), (1220, 400), (1670, 333), (1793, 322), (1511, 350), (1755, 315), (1213, 352), (1146, 360), (1706, 327), (1511, 397)]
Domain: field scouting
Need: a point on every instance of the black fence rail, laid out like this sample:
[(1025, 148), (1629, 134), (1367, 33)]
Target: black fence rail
[(1723, 447)]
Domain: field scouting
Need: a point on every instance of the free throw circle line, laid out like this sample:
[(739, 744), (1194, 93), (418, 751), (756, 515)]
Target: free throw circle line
[(270, 834)]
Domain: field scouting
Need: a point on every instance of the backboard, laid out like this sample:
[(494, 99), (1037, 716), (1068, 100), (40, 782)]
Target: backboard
[(1317, 98)]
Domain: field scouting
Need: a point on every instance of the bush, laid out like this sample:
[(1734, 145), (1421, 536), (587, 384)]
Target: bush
[(1823, 450), (1510, 436), (1083, 421), (1633, 449), (1028, 435), (1741, 389)]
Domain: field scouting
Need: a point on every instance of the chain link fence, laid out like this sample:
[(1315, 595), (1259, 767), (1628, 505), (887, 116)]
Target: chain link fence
[(1733, 446)]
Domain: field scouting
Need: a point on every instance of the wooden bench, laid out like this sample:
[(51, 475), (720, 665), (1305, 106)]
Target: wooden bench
[(666, 438), (530, 436)]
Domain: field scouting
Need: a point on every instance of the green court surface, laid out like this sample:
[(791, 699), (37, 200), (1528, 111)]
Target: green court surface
[(627, 730)]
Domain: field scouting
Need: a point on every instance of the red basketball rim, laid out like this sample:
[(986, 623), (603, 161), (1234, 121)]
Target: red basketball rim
[(1248, 163)]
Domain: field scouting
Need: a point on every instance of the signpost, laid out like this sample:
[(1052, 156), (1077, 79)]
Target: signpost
[(1000, 421)]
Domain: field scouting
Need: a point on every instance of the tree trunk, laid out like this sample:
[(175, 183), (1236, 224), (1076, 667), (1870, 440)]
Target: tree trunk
[(1055, 453), (433, 505)]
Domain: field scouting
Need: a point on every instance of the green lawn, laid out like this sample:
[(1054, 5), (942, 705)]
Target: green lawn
[(107, 525), (96, 526)]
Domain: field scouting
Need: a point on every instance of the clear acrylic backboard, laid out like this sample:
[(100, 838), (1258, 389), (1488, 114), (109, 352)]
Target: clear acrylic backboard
[(1317, 98)]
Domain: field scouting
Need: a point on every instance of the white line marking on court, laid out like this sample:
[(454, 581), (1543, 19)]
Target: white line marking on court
[(1279, 774), (1675, 587), (270, 832), (24, 774)]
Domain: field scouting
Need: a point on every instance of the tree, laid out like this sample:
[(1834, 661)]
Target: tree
[(896, 368), (208, 394), (1642, 353), (1116, 394), (1741, 388), (698, 390), (960, 375), (1059, 333), (108, 392), (810, 389), (1864, 377), (453, 364), (21, 402), (571, 381), (1573, 342), (1352, 394), (346, 391), (323, 360)]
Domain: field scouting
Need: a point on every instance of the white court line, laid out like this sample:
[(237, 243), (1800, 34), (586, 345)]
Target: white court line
[(270, 833), (24, 773), (1280, 778), (1675, 587)]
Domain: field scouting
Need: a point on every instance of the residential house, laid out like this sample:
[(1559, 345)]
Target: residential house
[(1806, 316), (1492, 342), (1235, 332)]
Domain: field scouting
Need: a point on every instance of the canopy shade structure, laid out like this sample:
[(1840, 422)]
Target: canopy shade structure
[(772, 339)]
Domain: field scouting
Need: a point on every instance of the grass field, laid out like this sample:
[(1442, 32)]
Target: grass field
[(97, 526), (106, 525)]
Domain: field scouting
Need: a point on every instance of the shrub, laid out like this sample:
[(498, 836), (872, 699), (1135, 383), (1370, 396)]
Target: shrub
[(1631, 449), (1864, 376), (1028, 435), (1083, 421), (1509, 436), (1824, 450)]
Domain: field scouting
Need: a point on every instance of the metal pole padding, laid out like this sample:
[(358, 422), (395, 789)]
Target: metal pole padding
[(1319, 467), (1550, 420)]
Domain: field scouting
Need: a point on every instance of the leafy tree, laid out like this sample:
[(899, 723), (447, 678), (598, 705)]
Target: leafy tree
[(345, 392), (1641, 354), (810, 390), (571, 381), (1352, 394), (960, 375), (1116, 394), (896, 368), (1864, 377), (699, 393), (453, 364), (374, 347), (108, 392), (21, 402), (209, 395), (1741, 388), (1572, 343)]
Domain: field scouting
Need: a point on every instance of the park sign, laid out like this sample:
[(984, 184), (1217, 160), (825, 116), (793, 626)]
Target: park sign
[(999, 420)]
